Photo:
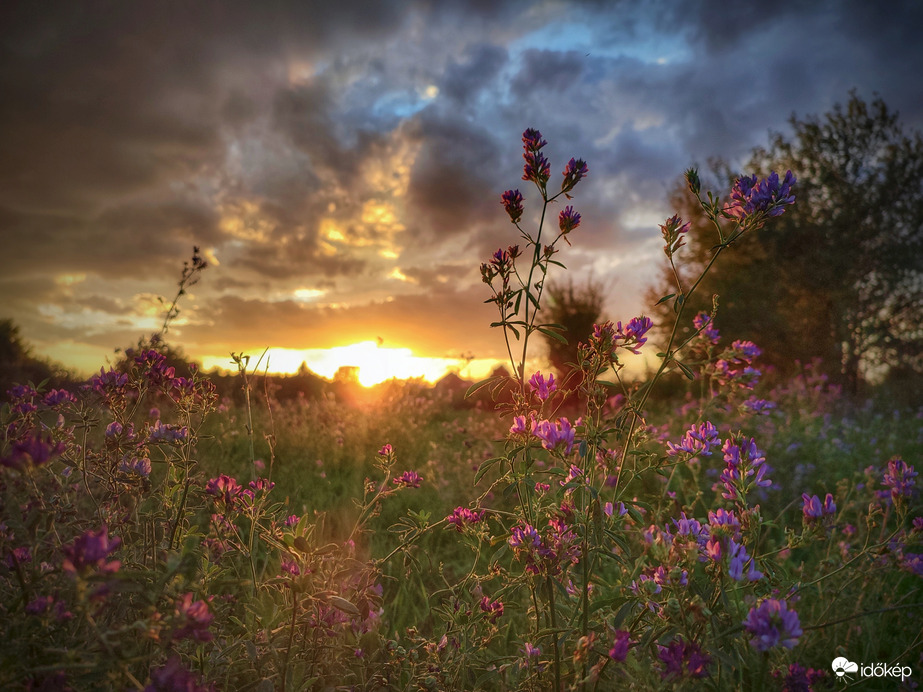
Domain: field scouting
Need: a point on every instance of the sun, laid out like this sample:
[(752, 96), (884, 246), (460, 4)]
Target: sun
[(375, 363)]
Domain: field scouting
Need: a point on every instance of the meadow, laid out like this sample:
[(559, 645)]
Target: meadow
[(707, 528)]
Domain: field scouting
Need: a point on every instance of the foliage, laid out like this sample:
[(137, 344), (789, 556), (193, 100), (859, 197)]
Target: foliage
[(838, 277)]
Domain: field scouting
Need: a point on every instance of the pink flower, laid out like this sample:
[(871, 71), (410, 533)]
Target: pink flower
[(408, 479)]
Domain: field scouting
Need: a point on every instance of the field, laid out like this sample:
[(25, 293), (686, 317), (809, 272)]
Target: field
[(704, 529)]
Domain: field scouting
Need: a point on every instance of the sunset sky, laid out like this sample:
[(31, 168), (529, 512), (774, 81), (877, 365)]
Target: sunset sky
[(340, 164)]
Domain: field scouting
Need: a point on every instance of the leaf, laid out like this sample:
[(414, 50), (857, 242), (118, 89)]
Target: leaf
[(687, 371), (342, 604), (665, 299), (485, 467), (553, 335), (479, 385), (301, 544)]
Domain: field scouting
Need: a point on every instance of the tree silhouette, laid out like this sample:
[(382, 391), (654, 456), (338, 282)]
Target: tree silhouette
[(577, 309), (839, 276)]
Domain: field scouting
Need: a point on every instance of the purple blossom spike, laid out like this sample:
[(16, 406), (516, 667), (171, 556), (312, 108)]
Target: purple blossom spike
[(512, 202), (574, 172), (772, 624)]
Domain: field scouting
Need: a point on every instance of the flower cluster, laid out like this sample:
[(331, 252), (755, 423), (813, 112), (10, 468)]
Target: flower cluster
[(33, 450), (674, 231), (606, 338), (745, 469), (704, 324), (682, 658), (549, 554), (700, 439), (536, 168), (408, 479), (772, 624), (462, 516), (87, 554), (751, 197), (494, 609), (814, 511), (735, 365), (899, 479), (542, 387), (192, 619)]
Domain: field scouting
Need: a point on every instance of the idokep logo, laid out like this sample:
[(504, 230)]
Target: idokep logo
[(844, 669)]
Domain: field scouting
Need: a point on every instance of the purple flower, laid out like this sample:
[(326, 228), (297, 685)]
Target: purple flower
[(193, 619), (56, 397), (553, 435), (542, 387), (88, 553), (161, 432), (290, 567), (225, 489), (494, 609), (291, 520), (512, 202), (751, 196), (174, 677), (33, 450), (681, 658), (18, 556), (812, 509), (899, 478), (798, 678), (136, 466), (532, 140), (699, 439), (574, 172), (408, 479), (462, 516), (386, 451), (745, 469), (703, 324), (568, 220), (620, 644), (772, 624)]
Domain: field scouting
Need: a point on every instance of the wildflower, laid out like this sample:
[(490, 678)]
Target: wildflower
[(386, 451), (161, 432), (408, 479), (135, 466), (620, 644), (680, 658), (759, 407), (751, 197), (699, 439), (512, 202), (291, 520), (704, 325), (634, 335), (33, 450), (812, 509), (745, 469), (542, 487), (88, 553), (913, 563), (673, 231), (899, 478), (494, 609), (225, 489), (772, 624), (574, 172), (290, 567), (114, 429), (174, 677), (542, 387), (18, 556), (568, 220), (536, 167), (56, 397), (532, 140), (194, 619), (553, 435), (519, 426), (531, 652), (798, 678), (462, 516)]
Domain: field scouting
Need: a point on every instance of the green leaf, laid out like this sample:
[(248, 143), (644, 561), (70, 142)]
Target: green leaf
[(553, 335), (485, 467), (687, 371), (665, 299)]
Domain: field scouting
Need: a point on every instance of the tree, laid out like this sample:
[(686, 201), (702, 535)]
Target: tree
[(840, 275), (577, 309)]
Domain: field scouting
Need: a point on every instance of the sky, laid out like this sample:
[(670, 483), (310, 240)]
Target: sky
[(340, 164)]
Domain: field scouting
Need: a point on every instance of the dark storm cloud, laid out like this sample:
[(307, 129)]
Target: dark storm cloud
[(325, 145)]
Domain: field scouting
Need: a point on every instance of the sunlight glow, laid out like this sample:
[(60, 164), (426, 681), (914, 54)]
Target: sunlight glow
[(375, 363)]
